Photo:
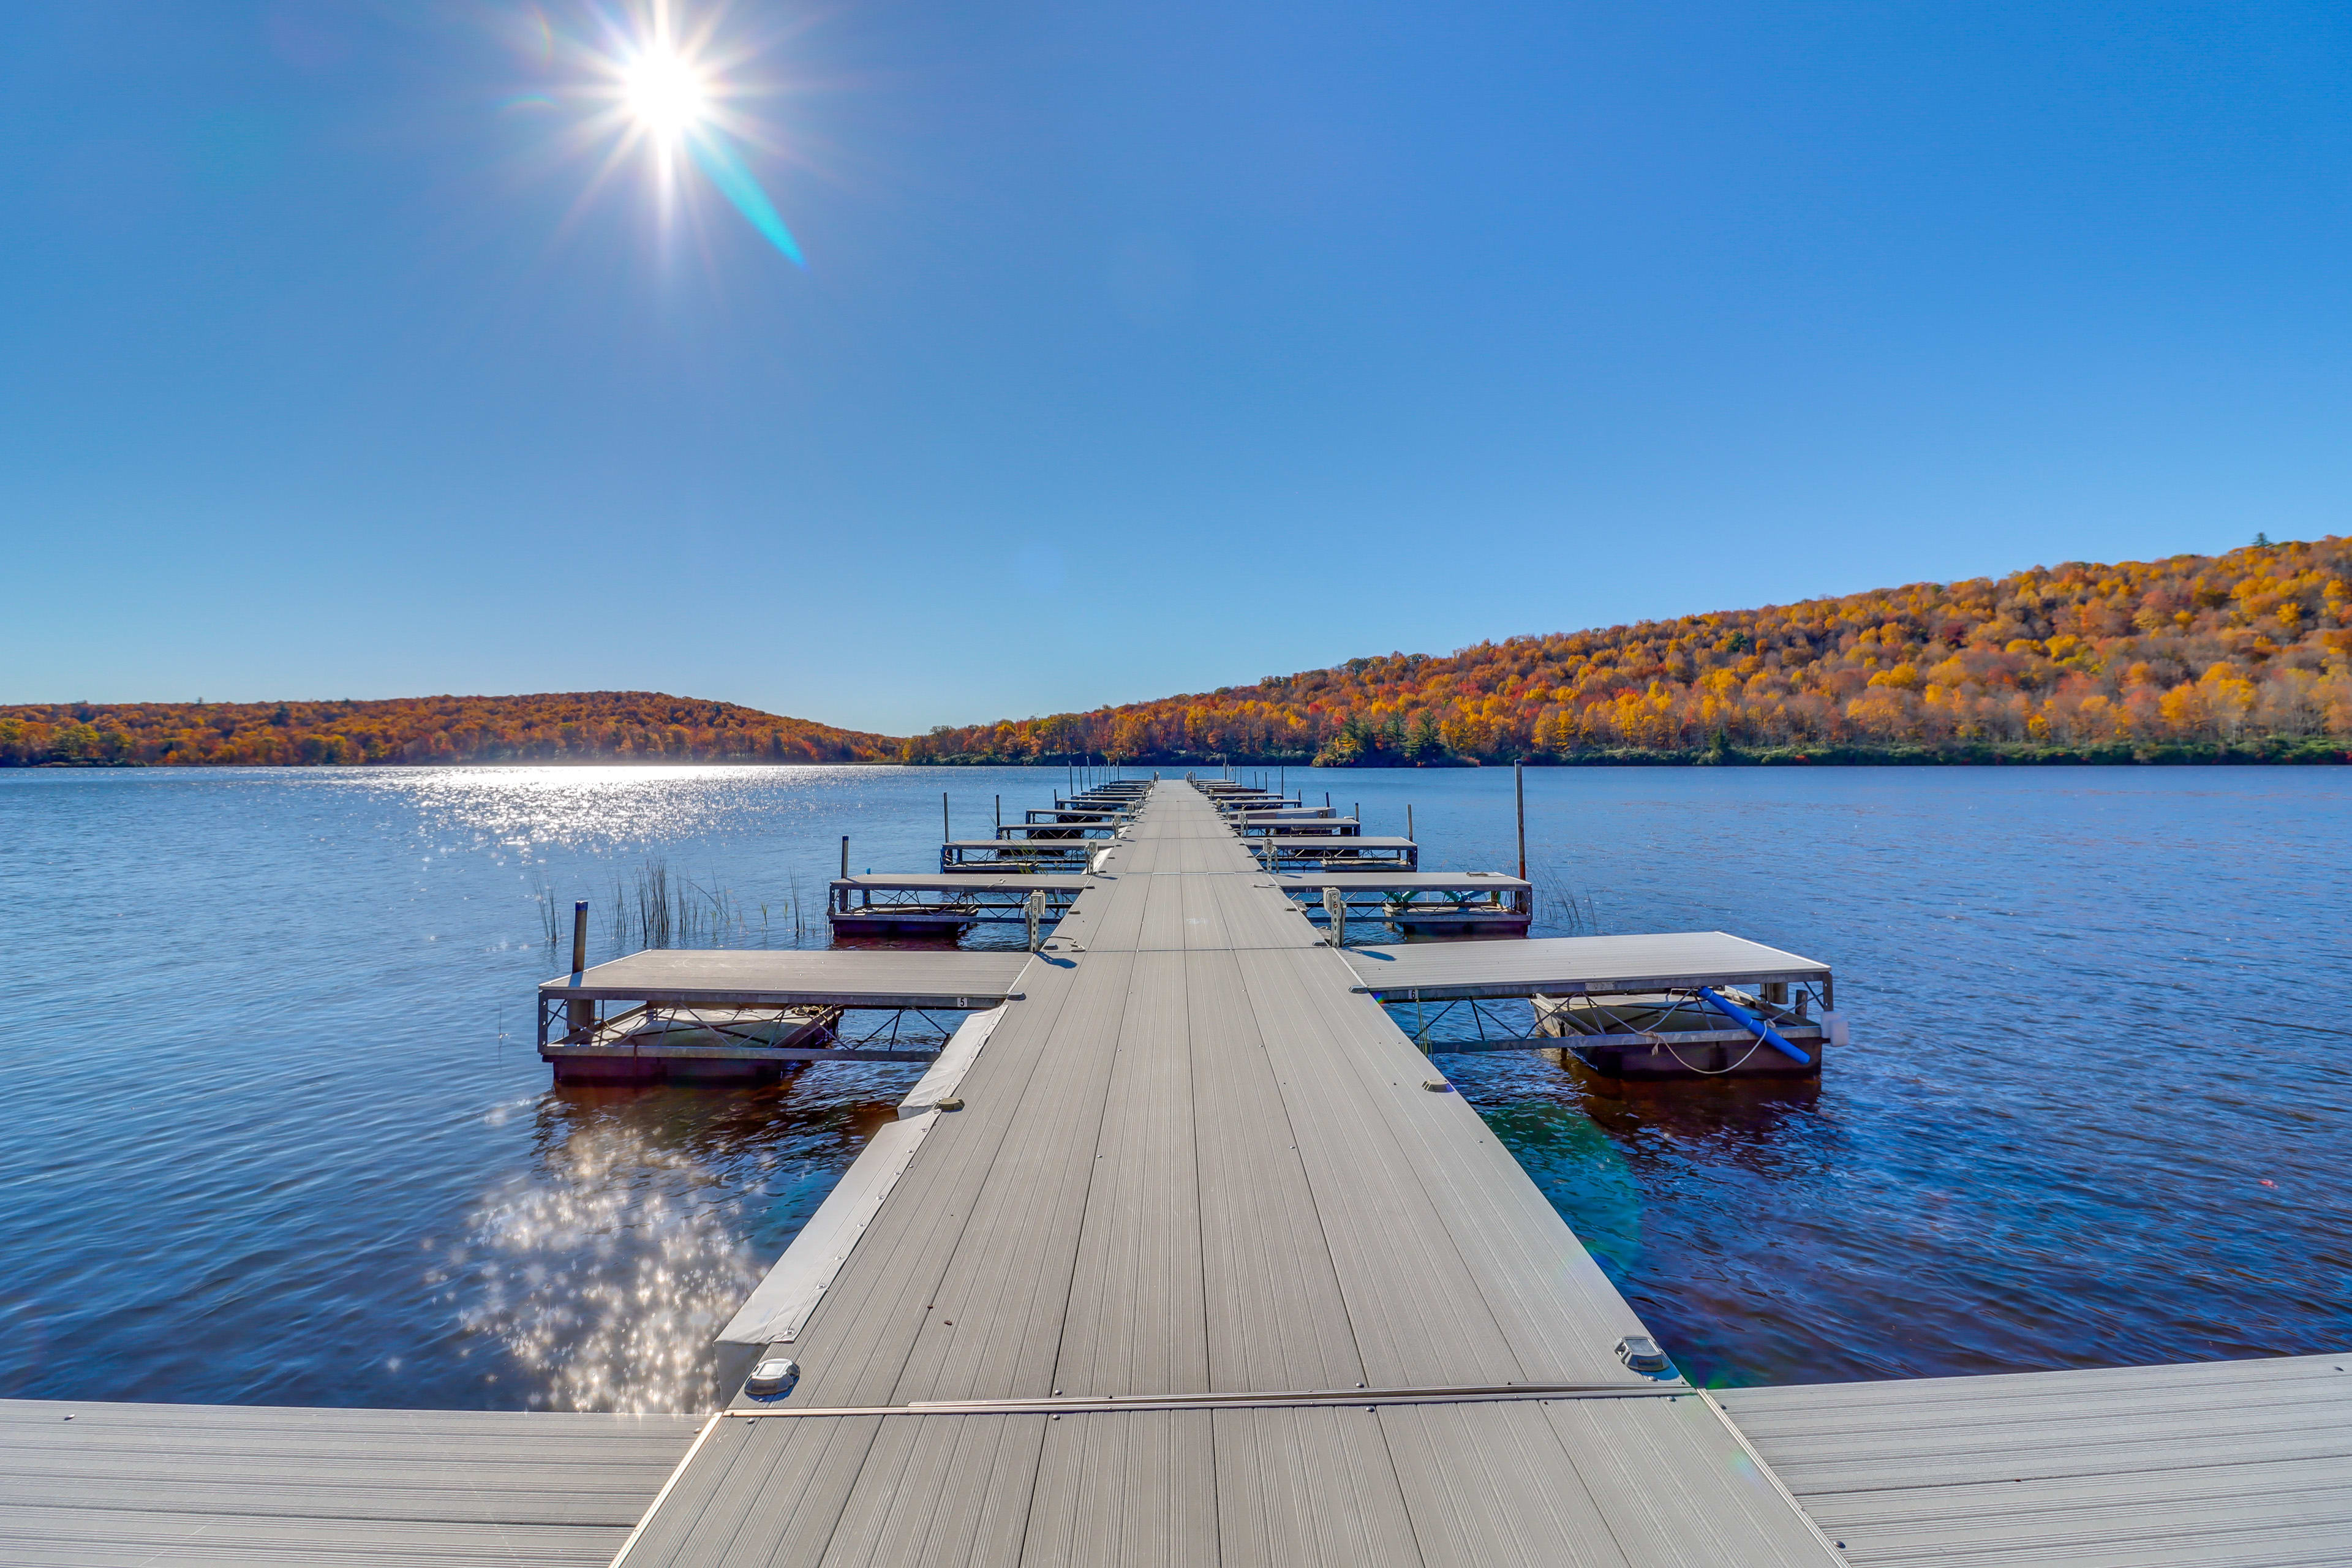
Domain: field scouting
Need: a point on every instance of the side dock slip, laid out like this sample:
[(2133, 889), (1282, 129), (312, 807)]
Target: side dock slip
[(761, 977), (1566, 964), (1212, 1267), (750, 1013)]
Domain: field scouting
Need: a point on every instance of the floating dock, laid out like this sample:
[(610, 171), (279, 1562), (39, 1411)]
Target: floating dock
[(925, 905), (1666, 1006), (93, 1484), (2240, 1464), (1429, 903), (1354, 852), (993, 857), (667, 1013), (1206, 1264)]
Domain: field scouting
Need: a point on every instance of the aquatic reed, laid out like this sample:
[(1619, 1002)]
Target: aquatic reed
[(655, 906), (1559, 906), (550, 916), (659, 908)]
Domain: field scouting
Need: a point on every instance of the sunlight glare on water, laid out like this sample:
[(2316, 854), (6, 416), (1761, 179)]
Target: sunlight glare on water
[(604, 1272)]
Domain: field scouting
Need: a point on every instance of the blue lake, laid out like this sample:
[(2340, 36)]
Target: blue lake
[(276, 1133)]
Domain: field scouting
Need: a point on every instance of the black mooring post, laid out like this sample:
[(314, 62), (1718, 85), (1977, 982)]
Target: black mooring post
[(1408, 819), (845, 857), (945, 837), (1000, 816), (1519, 790), (578, 1016)]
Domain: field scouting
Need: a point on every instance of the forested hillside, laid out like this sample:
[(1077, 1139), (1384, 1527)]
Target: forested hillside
[(577, 726), (2238, 655), (2247, 655)]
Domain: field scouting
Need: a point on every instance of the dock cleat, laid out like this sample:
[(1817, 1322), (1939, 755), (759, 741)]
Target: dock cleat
[(772, 1378), (1640, 1353)]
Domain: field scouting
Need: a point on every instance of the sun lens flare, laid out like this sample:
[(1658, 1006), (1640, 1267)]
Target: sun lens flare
[(669, 90), (665, 94)]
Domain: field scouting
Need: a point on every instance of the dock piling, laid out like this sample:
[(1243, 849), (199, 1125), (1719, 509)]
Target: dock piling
[(845, 857), (578, 1017), (1519, 791)]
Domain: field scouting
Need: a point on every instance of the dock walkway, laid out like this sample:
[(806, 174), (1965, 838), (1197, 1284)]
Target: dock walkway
[(2246, 1464), (88, 1484), (1212, 1267)]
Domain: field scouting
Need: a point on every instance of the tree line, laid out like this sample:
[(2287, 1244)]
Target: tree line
[(2241, 655), (570, 727)]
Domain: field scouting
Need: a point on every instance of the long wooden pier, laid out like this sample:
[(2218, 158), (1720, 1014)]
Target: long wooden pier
[(1209, 1265)]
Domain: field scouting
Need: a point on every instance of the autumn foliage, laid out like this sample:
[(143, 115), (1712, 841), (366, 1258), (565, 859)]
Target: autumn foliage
[(580, 726), (2240, 655), (2246, 655)]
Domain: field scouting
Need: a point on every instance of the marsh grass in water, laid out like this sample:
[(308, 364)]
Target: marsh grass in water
[(1559, 907), (657, 908)]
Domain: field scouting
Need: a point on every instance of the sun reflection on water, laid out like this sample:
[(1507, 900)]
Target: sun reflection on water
[(527, 808), (604, 1272)]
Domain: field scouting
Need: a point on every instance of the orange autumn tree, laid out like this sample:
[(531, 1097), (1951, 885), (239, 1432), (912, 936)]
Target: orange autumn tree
[(578, 726), (2242, 655)]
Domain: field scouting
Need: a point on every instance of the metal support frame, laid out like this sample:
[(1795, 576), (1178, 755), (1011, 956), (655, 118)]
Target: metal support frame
[(885, 1041), (1019, 855), (981, 906), (1639, 1029), (1344, 855), (1468, 908)]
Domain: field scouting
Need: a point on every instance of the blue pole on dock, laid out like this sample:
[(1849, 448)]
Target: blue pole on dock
[(1757, 1028)]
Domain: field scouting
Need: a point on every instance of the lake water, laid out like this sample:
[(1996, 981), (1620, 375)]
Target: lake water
[(275, 1131)]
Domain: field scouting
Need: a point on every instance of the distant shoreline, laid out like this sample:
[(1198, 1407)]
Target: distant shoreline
[(2312, 753)]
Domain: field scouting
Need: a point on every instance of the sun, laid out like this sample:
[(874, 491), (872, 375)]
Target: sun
[(667, 90), (665, 94)]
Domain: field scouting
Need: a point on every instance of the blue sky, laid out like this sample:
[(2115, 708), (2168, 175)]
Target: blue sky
[(1140, 348)]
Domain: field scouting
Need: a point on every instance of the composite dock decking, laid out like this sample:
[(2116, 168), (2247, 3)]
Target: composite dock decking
[(758, 977), (967, 885), (2241, 1464), (1565, 965), (1199, 1175), (229, 1486), (1303, 882)]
